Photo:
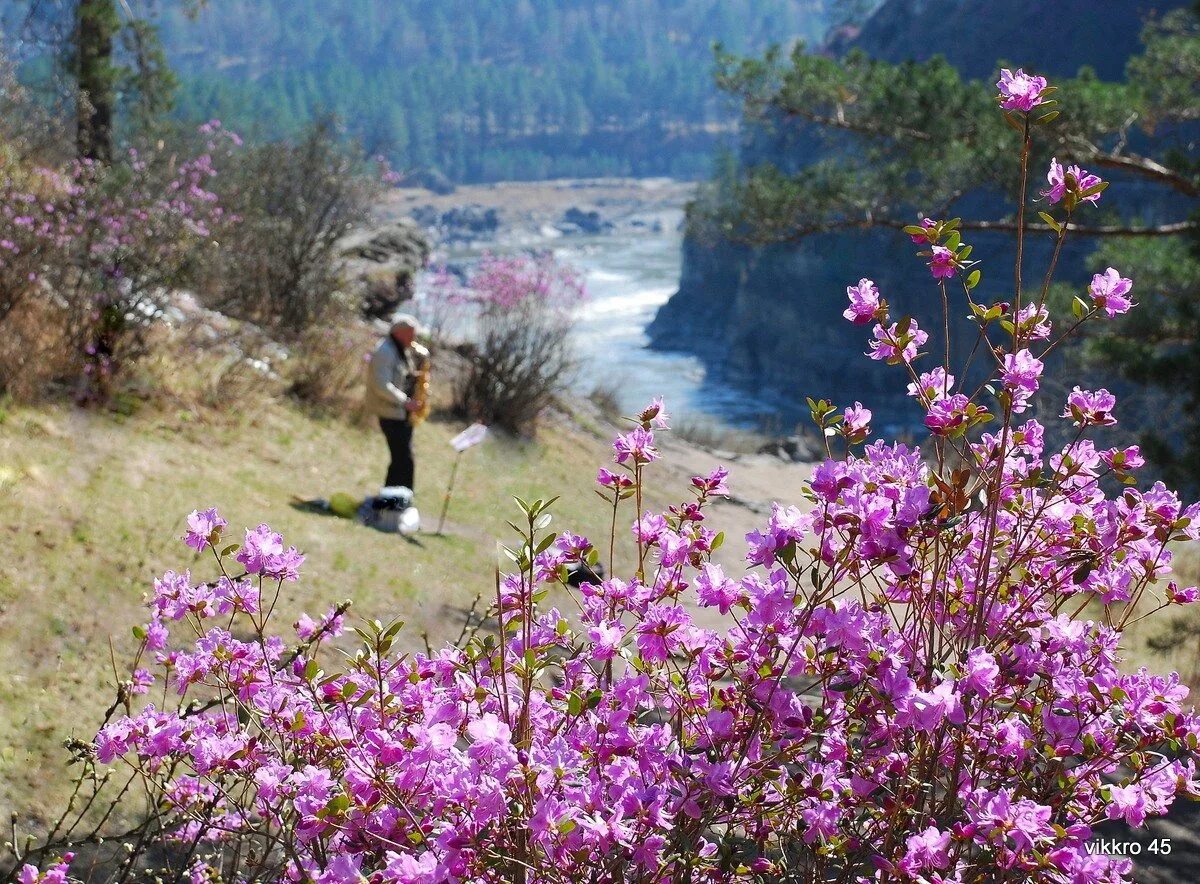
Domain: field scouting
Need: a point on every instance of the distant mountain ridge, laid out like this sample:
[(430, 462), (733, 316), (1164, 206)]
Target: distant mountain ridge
[(478, 89)]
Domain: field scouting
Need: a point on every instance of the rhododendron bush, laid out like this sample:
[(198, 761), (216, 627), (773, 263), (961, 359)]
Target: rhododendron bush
[(95, 248), (917, 678)]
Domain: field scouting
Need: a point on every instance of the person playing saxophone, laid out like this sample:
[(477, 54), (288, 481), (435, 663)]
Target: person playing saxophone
[(398, 394)]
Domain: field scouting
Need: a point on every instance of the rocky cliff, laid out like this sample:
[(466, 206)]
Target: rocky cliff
[(770, 318)]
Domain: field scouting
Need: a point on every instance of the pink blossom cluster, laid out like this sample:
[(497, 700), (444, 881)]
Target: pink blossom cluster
[(916, 677), (506, 282), (867, 700), (1020, 91), (124, 229)]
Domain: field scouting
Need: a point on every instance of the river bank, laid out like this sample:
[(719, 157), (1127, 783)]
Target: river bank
[(625, 237)]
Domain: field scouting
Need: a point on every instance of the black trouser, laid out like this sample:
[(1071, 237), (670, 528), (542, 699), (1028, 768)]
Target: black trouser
[(399, 439)]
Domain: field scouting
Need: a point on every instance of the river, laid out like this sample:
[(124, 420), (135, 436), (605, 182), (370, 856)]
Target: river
[(628, 275)]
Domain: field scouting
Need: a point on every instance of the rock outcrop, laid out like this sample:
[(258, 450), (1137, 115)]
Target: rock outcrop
[(380, 265)]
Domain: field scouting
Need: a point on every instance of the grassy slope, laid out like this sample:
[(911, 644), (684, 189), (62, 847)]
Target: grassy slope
[(90, 509)]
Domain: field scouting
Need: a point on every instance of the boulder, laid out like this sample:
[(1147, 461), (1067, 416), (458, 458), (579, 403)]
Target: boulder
[(576, 219), (380, 265)]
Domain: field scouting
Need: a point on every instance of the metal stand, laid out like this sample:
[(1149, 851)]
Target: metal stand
[(449, 491)]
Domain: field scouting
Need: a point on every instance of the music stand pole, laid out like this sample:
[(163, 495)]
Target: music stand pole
[(449, 491)]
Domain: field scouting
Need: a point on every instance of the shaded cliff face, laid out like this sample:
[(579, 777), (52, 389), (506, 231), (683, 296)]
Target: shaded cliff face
[(769, 319), (1055, 37)]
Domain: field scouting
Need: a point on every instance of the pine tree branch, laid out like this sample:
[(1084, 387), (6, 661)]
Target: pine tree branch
[(1142, 166)]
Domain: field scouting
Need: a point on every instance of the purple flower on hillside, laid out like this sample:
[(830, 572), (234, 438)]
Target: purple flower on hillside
[(606, 639), (1019, 91), (932, 385), (1033, 322), (609, 479), (656, 413), (864, 302), (890, 345), (944, 263), (263, 553), (919, 238), (1110, 292), (944, 416), (716, 590), (636, 445), (856, 422), (1020, 377), (1072, 180), (1089, 408), (203, 528), (649, 527), (714, 483), (658, 632), (926, 850)]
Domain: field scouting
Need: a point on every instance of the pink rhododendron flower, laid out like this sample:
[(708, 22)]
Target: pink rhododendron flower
[(932, 385), (609, 479), (202, 528), (864, 302), (1056, 176), (656, 413), (637, 446), (1088, 408), (714, 484), (1110, 292), (928, 224), (1020, 377), (856, 422), (926, 850), (715, 590), (263, 553), (1033, 322), (946, 415), (1019, 91), (889, 344), (944, 263)]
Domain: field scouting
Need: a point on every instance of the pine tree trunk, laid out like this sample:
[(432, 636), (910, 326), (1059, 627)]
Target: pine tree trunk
[(96, 25)]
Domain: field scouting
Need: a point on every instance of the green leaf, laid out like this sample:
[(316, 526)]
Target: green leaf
[(973, 279), (229, 550), (1048, 118), (1050, 222)]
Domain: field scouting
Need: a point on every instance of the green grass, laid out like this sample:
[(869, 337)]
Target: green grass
[(91, 509)]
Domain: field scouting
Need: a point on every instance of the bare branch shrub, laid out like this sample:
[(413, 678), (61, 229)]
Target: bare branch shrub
[(294, 202), (327, 364), (516, 316)]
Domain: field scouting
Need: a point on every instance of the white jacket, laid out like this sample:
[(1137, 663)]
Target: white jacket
[(392, 377)]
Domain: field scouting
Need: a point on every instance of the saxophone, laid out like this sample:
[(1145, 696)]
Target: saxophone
[(421, 391)]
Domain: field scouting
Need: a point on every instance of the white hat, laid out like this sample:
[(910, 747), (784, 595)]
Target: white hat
[(406, 320)]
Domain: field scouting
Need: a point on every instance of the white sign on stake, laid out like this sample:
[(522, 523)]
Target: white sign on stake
[(472, 435)]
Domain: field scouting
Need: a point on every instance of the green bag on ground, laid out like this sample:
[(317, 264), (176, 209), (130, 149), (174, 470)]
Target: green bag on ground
[(343, 505)]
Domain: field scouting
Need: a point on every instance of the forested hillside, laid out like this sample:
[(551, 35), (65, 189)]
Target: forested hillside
[(479, 89)]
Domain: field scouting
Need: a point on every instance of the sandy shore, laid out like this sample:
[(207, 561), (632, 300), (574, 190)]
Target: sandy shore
[(531, 205)]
